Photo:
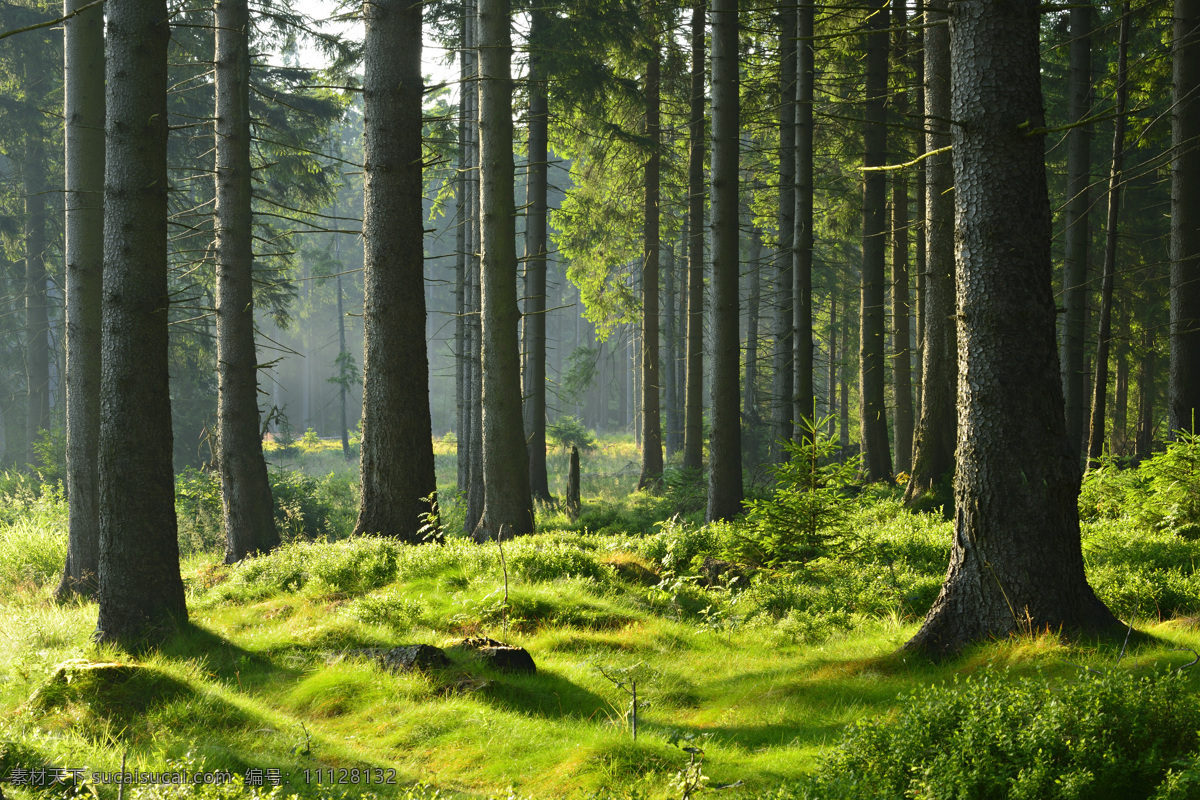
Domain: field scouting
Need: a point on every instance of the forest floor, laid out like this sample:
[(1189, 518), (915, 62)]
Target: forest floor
[(750, 676)]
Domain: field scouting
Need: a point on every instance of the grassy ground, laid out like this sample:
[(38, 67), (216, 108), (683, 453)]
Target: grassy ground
[(764, 672)]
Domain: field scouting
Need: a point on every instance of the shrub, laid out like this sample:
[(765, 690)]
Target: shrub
[(33, 537), (568, 431)]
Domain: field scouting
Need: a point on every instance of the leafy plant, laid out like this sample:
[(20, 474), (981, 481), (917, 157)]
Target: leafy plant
[(568, 431), (806, 513)]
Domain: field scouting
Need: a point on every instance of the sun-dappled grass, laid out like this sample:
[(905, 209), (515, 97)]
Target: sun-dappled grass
[(788, 674)]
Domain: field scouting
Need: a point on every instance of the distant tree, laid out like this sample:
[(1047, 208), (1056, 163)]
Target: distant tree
[(1183, 386), (803, 395), (652, 453), (790, 120), (83, 112), (141, 591), (1016, 561), (693, 427), (396, 466)]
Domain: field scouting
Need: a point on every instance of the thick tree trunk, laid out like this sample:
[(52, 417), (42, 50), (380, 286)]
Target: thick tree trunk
[(693, 427), (872, 407), (535, 263), (141, 592), (783, 361), (1075, 220), (396, 464), (652, 454), (1016, 562), (802, 236), (1183, 381), (1104, 338), (725, 439), (245, 490), (934, 451), (507, 500), (84, 134)]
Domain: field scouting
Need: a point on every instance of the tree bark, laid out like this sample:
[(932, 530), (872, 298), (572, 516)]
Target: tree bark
[(1183, 381), (872, 407), (535, 261), (652, 454), (141, 591), (1104, 337), (396, 463), (934, 450), (784, 357), (671, 439), (1016, 562), (725, 439), (693, 423), (507, 500), (462, 369), (803, 395), (901, 307), (1075, 220), (83, 111), (245, 490)]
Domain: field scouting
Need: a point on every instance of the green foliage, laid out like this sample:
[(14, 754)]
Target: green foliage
[(567, 431), (50, 453), (806, 513), (1101, 736), (582, 370), (686, 489), (33, 536), (1163, 493)]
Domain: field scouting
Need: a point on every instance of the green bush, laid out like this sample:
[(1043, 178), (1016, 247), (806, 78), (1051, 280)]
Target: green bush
[(33, 537), (1100, 736), (678, 543), (1163, 493), (568, 431)]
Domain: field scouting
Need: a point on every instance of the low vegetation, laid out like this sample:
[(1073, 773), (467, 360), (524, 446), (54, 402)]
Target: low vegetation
[(767, 656)]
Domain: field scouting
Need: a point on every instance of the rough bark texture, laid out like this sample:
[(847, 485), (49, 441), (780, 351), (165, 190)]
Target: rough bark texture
[(83, 110), (802, 236), (507, 501), (783, 361), (872, 407), (535, 263), (1016, 562), (1075, 221), (396, 464), (1183, 382), (725, 439), (934, 449), (245, 490), (1104, 337), (693, 427), (141, 592), (651, 383)]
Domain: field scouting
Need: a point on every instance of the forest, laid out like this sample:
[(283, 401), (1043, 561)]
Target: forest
[(600, 399)]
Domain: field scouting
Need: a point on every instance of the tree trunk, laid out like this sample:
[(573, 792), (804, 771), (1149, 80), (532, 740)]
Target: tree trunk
[(1075, 220), (141, 592), (901, 310), (934, 451), (872, 407), (1104, 338), (396, 462), (507, 500), (693, 427), (921, 262), (462, 363), (753, 304), (1016, 563), (784, 352), (652, 455), (474, 334), (535, 263), (84, 134), (671, 342), (725, 439), (1144, 437), (844, 383), (802, 236), (1183, 382), (245, 490)]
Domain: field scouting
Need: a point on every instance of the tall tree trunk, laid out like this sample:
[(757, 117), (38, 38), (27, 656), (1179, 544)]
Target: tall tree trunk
[(245, 490), (671, 342), (783, 361), (1121, 391), (462, 362), (1103, 339), (37, 347), (834, 355), (935, 440), (1075, 220), (750, 413), (693, 428), (474, 265), (507, 500), (920, 263), (535, 262), (901, 309), (83, 111), (872, 407), (141, 591), (802, 236), (343, 355), (652, 455), (1144, 436), (1016, 561), (844, 383), (725, 439), (1183, 381)]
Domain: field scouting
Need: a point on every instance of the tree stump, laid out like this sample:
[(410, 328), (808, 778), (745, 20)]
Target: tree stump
[(573, 504)]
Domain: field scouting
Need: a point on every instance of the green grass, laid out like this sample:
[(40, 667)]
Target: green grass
[(766, 671)]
